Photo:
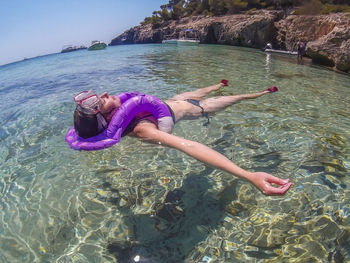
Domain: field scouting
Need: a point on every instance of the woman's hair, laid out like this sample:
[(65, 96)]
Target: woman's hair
[(86, 125)]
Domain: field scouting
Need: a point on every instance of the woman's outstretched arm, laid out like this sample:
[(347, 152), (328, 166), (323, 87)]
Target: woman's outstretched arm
[(264, 181)]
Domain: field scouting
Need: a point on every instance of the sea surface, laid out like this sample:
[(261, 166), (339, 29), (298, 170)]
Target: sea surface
[(139, 202)]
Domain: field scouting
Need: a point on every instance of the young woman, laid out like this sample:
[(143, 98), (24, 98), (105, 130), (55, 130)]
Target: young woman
[(188, 105)]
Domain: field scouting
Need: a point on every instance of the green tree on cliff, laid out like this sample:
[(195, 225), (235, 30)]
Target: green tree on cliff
[(177, 9), (192, 7)]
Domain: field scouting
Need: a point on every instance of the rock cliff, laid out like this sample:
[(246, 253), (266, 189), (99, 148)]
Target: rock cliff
[(327, 36)]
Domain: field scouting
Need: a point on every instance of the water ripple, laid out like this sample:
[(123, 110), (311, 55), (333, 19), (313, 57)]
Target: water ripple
[(136, 199)]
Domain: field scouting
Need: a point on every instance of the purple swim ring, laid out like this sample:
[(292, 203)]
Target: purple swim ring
[(132, 104)]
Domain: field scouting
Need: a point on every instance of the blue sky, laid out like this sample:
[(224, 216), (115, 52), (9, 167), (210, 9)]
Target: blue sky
[(30, 28)]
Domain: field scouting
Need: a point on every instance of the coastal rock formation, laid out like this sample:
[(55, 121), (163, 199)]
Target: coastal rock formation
[(332, 49), (139, 35), (327, 36), (253, 30)]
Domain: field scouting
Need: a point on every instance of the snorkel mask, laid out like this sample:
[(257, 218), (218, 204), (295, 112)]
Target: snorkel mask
[(88, 103)]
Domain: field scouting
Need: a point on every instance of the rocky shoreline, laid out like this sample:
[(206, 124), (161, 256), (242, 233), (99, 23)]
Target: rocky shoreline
[(327, 36)]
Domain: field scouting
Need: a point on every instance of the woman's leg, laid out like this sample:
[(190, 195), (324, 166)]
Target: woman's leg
[(197, 94), (214, 104), (186, 110)]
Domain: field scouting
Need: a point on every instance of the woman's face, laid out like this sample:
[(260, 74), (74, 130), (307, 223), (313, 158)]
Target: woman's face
[(109, 105)]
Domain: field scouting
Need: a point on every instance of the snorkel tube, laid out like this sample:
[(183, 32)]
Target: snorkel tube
[(132, 104)]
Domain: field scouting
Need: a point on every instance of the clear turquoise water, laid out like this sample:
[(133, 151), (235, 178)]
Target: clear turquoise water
[(60, 205)]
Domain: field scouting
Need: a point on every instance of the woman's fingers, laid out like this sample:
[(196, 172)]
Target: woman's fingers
[(277, 190), (264, 182), (276, 180)]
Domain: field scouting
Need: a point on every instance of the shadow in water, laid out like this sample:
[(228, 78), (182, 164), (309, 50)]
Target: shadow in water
[(177, 225)]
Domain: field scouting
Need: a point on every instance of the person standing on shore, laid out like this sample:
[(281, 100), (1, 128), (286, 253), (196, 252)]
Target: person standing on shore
[(301, 47)]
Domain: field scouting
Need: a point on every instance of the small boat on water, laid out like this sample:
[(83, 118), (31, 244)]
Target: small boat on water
[(70, 48), (97, 45), (183, 41), (269, 50), (186, 37)]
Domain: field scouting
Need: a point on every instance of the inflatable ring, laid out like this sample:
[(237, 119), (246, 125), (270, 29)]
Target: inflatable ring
[(132, 104)]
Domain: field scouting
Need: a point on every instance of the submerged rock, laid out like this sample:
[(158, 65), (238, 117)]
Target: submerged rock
[(171, 209), (4, 153), (324, 228), (122, 250), (271, 234), (335, 256), (343, 242)]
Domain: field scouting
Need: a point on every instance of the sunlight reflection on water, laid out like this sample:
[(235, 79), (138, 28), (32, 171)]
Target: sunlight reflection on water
[(60, 205)]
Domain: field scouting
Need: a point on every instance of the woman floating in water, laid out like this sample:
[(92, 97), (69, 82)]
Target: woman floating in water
[(141, 115)]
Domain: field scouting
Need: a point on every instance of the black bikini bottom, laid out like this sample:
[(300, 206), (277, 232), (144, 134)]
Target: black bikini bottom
[(204, 114), (171, 112)]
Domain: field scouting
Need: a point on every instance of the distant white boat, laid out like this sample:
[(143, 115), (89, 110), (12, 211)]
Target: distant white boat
[(269, 50), (186, 37), (182, 41), (70, 48)]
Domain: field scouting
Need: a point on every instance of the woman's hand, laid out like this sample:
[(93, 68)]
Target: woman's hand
[(264, 182)]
